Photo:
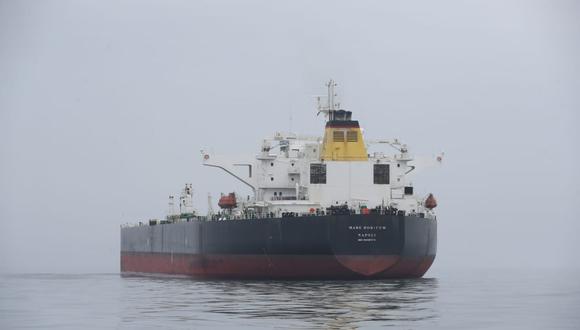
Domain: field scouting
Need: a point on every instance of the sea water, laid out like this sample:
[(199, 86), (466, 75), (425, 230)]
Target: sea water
[(477, 299)]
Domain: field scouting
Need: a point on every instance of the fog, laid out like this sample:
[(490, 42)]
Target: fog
[(105, 105)]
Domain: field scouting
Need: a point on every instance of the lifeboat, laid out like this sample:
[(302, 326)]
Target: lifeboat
[(430, 202), (228, 201)]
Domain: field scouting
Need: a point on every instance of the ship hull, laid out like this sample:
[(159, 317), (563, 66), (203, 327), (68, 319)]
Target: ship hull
[(371, 246)]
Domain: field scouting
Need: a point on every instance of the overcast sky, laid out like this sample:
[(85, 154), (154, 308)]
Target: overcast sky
[(104, 106)]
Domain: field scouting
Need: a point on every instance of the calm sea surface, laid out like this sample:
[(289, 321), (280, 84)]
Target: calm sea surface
[(474, 299)]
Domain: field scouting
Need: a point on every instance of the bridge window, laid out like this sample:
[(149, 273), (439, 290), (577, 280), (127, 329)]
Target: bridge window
[(351, 136), (381, 173), (318, 173)]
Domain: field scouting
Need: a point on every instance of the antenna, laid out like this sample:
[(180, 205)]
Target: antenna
[(290, 121)]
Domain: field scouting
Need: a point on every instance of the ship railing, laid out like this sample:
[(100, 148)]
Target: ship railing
[(247, 215)]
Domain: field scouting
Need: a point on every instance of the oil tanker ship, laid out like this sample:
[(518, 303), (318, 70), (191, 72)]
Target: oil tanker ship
[(321, 208)]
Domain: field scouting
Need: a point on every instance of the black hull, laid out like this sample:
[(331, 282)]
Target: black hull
[(320, 247)]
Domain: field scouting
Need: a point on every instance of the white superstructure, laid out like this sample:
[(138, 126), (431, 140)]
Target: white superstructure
[(302, 175)]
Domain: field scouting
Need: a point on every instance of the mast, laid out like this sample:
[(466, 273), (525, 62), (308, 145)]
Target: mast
[(330, 105)]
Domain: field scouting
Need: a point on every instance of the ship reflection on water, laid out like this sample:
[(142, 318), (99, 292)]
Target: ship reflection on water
[(288, 304), (333, 303)]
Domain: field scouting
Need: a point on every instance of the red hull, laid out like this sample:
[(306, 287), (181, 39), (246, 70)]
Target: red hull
[(277, 266)]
